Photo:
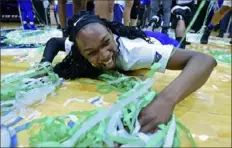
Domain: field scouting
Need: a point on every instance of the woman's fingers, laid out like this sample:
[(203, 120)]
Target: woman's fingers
[(145, 116), (150, 127), (116, 145), (143, 120)]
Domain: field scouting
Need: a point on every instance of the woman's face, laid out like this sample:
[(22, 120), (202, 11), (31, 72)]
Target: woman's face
[(97, 45)]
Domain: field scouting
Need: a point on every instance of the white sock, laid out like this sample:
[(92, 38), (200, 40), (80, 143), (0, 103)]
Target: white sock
[(134, 22)]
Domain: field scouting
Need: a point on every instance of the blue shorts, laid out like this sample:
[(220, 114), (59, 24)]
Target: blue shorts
[(163, 38), (145, 2), (220, 2), (118, 13)]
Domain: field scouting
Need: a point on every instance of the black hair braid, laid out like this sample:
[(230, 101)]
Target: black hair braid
[(74, 65), (126, 31), (116, 28), (117, 40)]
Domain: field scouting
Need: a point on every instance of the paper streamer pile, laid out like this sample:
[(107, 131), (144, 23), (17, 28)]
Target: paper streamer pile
[(221, 56), (20, 90), (39, 36), (104, 127)]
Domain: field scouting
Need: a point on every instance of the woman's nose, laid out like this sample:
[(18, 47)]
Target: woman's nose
[(104, 55)]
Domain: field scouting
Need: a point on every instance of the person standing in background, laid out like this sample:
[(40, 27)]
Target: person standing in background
[(202, 15), (78, 5), (127, 12), (181, 17), (144, 13), (122, 15), (104, 9), (218, 15), (27, 14), (134, 13), (224, 25), (155, 6), (128, 15)]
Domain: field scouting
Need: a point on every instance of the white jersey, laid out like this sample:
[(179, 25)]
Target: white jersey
[(68, 45), (227, 3), (138, 54), (120, 2), (184, 2)]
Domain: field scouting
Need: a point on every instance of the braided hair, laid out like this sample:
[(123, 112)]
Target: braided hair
[(74, 64)]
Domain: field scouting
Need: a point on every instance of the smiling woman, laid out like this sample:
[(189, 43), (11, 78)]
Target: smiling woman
[(101, 51), (102, 45)]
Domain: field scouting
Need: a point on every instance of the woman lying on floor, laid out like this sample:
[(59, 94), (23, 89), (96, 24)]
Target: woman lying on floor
[(100, 45)]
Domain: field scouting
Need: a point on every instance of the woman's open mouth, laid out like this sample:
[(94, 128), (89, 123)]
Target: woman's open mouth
[(108, 62)]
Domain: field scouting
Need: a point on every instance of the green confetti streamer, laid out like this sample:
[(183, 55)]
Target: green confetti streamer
[(13, 83), (221, 56), (38, 37), (27, 88), (98, 135)]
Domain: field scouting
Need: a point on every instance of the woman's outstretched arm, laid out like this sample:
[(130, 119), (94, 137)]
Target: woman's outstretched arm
[(196, 68)]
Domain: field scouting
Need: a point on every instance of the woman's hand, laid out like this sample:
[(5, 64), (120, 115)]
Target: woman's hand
[(157, 112)]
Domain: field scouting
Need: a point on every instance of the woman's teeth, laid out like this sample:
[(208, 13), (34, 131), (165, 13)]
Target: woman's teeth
[(106, 63)]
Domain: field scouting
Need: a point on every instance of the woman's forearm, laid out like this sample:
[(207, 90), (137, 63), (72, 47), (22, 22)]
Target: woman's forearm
[(196, 67), (195, 73)]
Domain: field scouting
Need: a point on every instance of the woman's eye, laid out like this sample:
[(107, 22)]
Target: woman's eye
[(92, 53), (107, 41)]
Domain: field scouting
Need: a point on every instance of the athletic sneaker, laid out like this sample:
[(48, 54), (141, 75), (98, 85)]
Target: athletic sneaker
[(58, 26), (220, 35), (187, 43), (64, 33), (32, 27), (154, 22), (165, 30), (184, 11), (26, 27), (205, 37)]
